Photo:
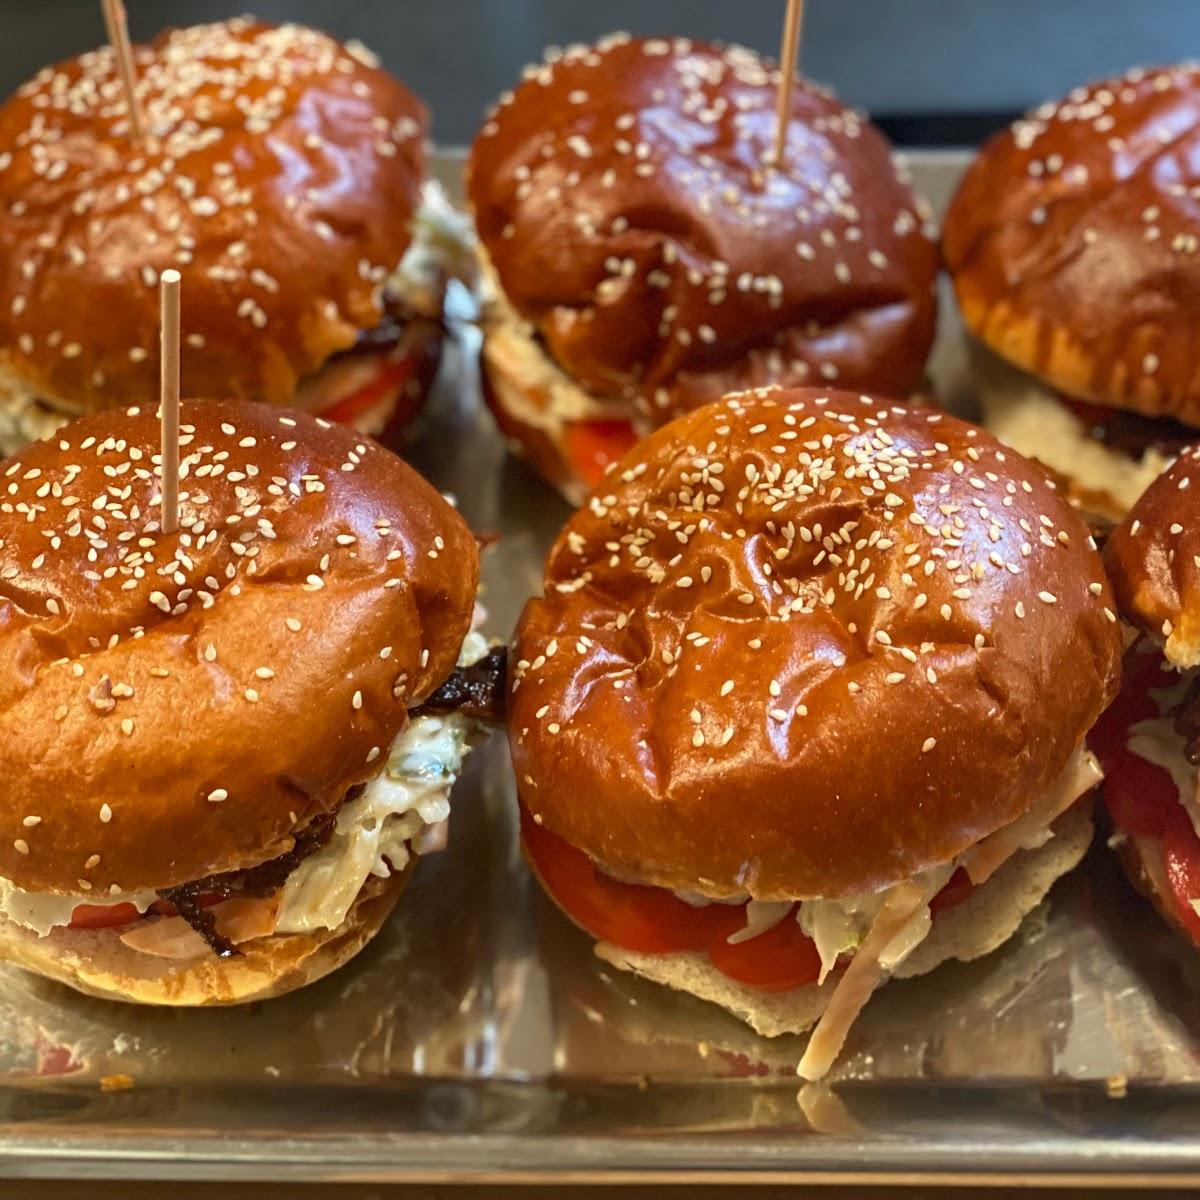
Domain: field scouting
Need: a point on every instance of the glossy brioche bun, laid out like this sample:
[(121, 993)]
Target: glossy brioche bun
[(629, 220), (98, 963), (804, 644), (262, 662), (279, 174), (1153, 560), (1072, 243), (984, 921)]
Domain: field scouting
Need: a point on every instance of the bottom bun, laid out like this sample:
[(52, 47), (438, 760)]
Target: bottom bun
[(977, 926), (1142, 858), (98, 963)]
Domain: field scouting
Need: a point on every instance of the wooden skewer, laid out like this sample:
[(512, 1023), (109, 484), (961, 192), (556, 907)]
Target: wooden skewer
[(789, 54), (168, 411), (118, 37)]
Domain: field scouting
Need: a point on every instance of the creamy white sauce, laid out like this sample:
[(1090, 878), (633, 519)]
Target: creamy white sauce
[(522, 367), (373, 830), (406, 802), (838, 926), (42, 911)]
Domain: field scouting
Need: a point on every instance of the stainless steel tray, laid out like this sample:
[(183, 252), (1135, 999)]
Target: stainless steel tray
[(478, 1037)]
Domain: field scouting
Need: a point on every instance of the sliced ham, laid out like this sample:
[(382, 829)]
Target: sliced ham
[(239, 920)]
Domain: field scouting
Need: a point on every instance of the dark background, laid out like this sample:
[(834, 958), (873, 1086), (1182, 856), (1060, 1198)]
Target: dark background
[(912, 62)]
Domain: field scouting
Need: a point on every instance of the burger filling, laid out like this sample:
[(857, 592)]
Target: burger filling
[(778, 946), (1149, 743), (591, 432), (400, 812), (383, 377), (1107, 452)]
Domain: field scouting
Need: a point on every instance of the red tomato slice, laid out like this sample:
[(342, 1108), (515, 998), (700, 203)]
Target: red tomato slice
[(103, 916), (958, 888), (635, 917), (593, 447), (1141, 797), (107, 916), (652, 920), (1181, 858), (393, 375), (779, 960)]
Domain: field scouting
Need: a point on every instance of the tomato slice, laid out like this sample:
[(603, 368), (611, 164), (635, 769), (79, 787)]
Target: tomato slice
[(653, 920), (644, 919), (108, 916), (391, 376), (782, 958), (1141, 796), (593, 447), (1181, 858), (103, 916), (958, 888)]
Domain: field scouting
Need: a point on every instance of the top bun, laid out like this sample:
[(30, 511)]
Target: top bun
[(173, 706), (279, 173), (1073, 245), (623, 196), (802, 644), (1153, 560)]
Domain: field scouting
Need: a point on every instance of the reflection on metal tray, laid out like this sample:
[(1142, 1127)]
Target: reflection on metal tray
[(479, 1036)]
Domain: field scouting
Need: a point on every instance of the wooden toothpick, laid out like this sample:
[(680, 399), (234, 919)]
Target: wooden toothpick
[(789, 54), (168, 410), (118, 37)]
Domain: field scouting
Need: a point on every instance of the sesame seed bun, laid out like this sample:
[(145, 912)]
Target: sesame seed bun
[(985, 920), (98, 963), (279, 173), (1153, 560), (639, 241), (803, 644), (1072, 245), (177, 705)]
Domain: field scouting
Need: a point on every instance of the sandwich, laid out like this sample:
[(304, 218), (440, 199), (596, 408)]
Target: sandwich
[(1072, 246), (643, 255), (280, 172), (1149, 740), (223, 748), (803, 704)]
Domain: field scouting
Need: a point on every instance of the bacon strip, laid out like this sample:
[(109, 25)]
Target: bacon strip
[(477, 691)]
